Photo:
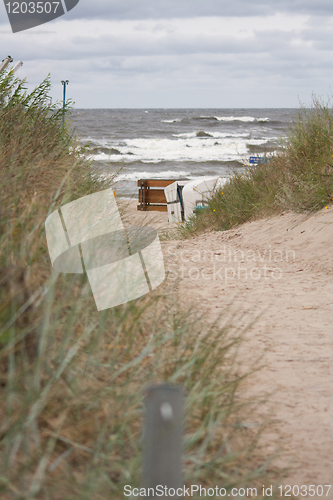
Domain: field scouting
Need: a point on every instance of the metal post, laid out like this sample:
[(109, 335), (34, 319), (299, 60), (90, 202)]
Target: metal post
[(162, 454), (64, 82)]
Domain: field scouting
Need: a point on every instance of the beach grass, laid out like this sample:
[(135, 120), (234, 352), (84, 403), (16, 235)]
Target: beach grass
[(73, 379), (299, 177)]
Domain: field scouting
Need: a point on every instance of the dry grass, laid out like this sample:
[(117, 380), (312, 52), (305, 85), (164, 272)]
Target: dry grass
[(73, 418)]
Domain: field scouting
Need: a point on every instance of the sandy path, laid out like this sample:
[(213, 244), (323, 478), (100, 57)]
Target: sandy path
[(282, 270)]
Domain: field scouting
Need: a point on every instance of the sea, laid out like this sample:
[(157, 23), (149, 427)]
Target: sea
[(133, 144)]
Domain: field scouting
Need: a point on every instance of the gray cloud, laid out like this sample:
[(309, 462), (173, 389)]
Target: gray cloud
[(159, 9), (152, 42), (131, 53)]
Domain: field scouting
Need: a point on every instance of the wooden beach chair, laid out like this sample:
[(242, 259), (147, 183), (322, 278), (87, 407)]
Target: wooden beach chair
[(151, 194)]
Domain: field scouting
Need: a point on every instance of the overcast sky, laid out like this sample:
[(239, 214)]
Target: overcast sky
[(181, 53)]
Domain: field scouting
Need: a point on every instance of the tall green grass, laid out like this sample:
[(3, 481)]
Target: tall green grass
[(298, 178), (72, 378)]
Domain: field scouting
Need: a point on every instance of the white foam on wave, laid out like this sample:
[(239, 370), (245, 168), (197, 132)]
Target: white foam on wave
[(216, 135), (248, 119), (175, 120), (195, 149), (112, 158), (166, 174)]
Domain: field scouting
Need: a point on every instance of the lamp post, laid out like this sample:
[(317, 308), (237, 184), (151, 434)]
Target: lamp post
[(17, 66), (64, 82), (5, 62)]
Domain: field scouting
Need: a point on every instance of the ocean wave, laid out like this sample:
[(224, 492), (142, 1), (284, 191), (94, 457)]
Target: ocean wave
[(175, 120), (165, 174), (216, 135), (193, 149), (107, 151), (267, 147), (248, 119)]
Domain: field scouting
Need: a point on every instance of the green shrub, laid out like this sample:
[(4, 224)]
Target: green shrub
[(298, 178)]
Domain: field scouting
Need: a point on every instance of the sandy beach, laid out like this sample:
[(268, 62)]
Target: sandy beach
[(278, 272)]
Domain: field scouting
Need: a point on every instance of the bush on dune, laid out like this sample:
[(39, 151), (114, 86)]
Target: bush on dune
[(298, 178)]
